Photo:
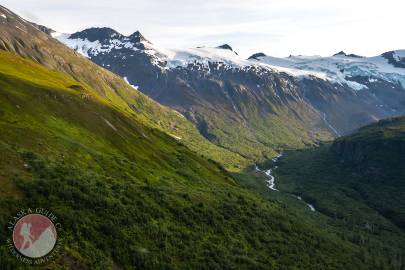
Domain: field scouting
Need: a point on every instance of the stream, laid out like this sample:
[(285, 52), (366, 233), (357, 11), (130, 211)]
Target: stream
[(271, 180), (310, 206)]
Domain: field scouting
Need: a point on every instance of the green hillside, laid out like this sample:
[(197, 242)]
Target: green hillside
[(132, 197), (95, 82), (359, 183), (136, 186), (262, 134)]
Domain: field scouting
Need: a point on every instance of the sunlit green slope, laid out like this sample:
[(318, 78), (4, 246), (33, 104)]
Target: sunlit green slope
[(132, 197)]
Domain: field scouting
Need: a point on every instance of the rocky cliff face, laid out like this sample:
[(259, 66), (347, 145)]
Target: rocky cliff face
[(94, 82), (377, 143), (263, 102), (354, 152)]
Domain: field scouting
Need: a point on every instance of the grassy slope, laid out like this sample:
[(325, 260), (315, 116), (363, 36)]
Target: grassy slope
[(261, 136), (239, 143), (96, 82), (133, 197), (359, 185)]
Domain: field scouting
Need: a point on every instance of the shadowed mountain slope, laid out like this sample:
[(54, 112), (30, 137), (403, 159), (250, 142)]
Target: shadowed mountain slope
[(21, 37)]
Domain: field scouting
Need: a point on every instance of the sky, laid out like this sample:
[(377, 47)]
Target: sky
[(274, 27)]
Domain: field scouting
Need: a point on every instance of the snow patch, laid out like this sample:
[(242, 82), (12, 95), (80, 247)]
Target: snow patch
[(311, 207), (176, 137), (179, 114), (110, 125), (56, 34), (203, 56), (325, 119), (93, 48), (19, 28), (133, 86), (398, 55), (372, 80), (356, 86)]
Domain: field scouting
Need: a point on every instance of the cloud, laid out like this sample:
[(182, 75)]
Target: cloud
[(276, 27)]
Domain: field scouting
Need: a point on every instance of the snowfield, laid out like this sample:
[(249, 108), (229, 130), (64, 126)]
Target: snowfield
[(87, 48), (340, 68)]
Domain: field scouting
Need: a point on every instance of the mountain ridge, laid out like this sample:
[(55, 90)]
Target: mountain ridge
[(135, 185), (362, 171), (261, 99), (111, 178), (156, 193)]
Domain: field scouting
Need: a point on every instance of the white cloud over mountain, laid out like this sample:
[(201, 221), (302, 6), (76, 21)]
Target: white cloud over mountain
[(275, 27)]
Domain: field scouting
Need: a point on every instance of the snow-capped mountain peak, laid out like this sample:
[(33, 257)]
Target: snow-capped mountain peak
[(256, 56), (351, 70), (332, 89), (138, 37), (343, 54), (203, 56), (97, 34), (93, 41), (395, 58), (227, 47)]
